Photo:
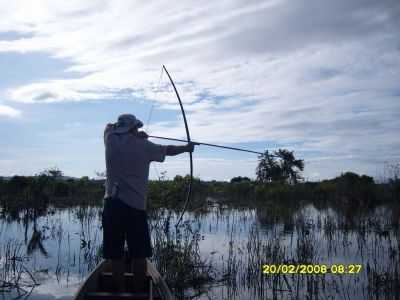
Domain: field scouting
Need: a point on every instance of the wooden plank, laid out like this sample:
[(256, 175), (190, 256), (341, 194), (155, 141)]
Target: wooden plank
[(91, 282), (116, 296), (90, 288), (162, 286), (106, 282)]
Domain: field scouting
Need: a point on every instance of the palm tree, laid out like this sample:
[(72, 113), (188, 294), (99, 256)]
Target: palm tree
[(290, 166), (268, 169), (287, 169)]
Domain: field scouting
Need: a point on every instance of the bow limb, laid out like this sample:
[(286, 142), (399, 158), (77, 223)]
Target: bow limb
[(190, 153)]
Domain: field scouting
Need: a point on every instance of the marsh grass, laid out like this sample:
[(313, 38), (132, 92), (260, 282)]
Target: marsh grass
[(177, 255), (368, 238), (14, 275), (351, 218)]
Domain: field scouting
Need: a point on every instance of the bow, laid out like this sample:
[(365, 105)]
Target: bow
[(190, 153)]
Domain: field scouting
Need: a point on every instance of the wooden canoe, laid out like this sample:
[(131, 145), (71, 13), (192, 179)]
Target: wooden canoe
[(99, 285)]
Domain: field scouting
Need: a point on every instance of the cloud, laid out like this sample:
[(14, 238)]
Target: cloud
[(57, 91), (273, 33), (7, 111), (318, 76)]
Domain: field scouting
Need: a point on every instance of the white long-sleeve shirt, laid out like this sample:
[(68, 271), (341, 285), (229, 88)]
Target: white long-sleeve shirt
[(128, 160)]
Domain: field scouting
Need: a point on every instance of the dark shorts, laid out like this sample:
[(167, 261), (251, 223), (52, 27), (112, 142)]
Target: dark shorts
[(122, 222)]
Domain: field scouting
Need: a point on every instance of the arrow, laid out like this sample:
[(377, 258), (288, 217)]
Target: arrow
[(208, 144)]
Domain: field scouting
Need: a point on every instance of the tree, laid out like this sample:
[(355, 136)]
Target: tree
[(281, 166), (240, 179), (290, 166), (268, 169), (52, 172)]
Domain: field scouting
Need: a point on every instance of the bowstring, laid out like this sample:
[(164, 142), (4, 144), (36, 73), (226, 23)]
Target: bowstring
[(151, 113), (152, 102)]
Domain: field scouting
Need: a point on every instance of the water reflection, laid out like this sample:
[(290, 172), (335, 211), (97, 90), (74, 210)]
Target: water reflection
[(48, 255)]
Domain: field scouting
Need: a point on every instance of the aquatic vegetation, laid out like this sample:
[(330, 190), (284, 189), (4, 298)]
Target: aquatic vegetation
[(14, 275), (231, 230)]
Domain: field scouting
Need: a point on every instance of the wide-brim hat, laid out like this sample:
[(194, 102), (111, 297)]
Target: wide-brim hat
[(127, 122)]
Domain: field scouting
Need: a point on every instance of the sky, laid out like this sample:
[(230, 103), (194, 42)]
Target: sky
[(320, 78)]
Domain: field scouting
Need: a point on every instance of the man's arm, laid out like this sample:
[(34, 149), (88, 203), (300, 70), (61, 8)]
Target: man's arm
[(175, 150), (171, 150)]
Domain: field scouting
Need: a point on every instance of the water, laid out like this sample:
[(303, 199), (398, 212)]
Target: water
[(233, 242), (61, 259)]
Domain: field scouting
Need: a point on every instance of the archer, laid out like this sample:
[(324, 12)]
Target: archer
[(128, 155)]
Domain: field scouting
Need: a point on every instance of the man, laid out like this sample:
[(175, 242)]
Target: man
[(128, 155)]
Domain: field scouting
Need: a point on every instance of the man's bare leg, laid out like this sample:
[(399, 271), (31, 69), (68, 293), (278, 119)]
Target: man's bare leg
[(139, 271), (118, 269)]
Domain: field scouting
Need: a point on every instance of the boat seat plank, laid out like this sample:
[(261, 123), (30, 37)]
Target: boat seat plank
[(106, 282), (100, 285), (116, 296)]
